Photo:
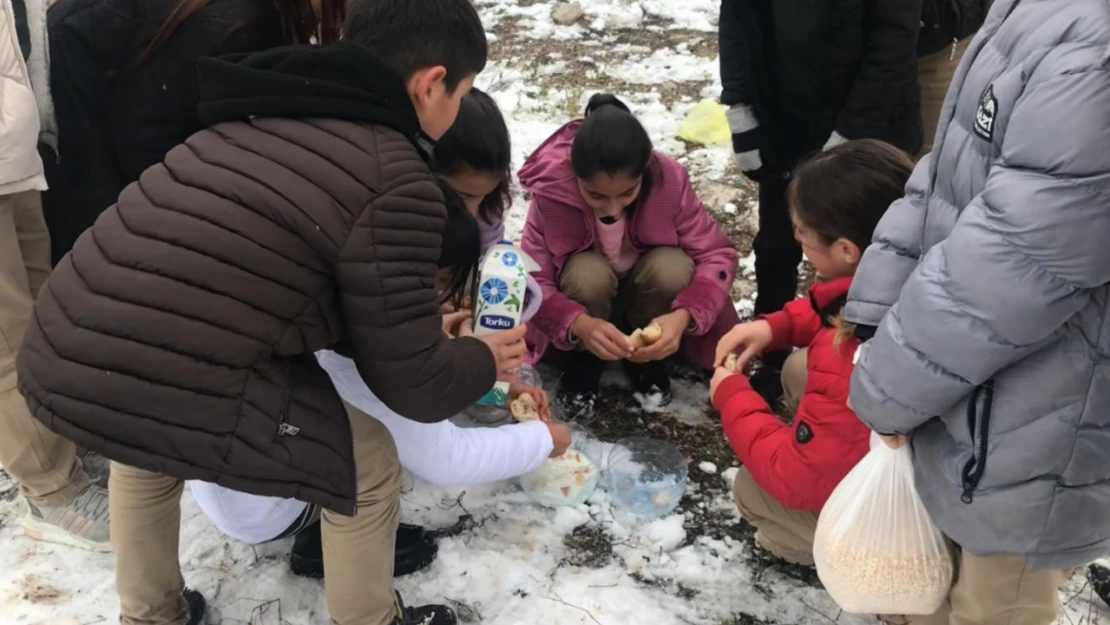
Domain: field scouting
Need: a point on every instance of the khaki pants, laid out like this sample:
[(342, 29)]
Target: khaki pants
[(996, 590), (788, 534), (44, 464), (935, 75), (645, 293), (358, 551)]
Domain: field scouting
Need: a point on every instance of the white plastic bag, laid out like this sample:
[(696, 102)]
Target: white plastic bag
[(876, 549)]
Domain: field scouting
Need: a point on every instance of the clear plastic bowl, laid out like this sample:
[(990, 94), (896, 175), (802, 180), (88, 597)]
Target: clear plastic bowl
[(646, 477), (570, 479), (491, 414)]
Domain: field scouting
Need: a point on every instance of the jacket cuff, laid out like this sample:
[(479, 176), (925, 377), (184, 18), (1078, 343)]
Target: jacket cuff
[(729, 387), (782, 330), (703, 300)]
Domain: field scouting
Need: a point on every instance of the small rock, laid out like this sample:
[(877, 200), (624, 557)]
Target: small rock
[(708, 467), (567, 13)]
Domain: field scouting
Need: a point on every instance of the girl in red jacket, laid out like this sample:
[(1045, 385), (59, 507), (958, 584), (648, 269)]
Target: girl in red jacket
[(836, 199), (622, 241)]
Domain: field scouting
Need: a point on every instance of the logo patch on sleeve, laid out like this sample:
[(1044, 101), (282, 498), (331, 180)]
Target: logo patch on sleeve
[(804, 433), (986, 114)]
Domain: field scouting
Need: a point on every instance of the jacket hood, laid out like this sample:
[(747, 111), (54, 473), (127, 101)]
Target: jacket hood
[(547, 173), (339, 81)]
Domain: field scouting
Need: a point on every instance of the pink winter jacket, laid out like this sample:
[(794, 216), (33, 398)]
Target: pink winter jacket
[(561, 224)]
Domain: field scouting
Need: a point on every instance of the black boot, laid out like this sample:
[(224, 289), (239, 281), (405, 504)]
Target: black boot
[(650, 378), (416, 549), (1099, 576), (197, 606), (424, 615), (579, 385)]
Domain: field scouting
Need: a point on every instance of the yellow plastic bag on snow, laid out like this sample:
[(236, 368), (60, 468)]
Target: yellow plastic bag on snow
[(705, 124)]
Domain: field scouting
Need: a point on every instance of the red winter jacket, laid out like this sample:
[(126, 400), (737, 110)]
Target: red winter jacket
[(800, 464)]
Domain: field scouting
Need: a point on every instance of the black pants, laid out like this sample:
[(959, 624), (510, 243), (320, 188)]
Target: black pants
[(777, 254)]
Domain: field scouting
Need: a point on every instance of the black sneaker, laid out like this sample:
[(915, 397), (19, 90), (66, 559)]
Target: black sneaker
[(197, 606), (416, 549), (649, 379), (579, 385), (424, 615), (1099, 576)]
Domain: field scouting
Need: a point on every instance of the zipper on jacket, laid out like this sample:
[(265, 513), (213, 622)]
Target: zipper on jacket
[(952, 55), (975, 467), (284, 429)]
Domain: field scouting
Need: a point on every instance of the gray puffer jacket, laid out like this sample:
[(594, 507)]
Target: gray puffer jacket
[(996, 355)]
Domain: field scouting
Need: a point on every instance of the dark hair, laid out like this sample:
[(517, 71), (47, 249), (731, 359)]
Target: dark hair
[(296, 21), (461, 249), (844, 192), (408, 36), (610, 140), (479, 139)]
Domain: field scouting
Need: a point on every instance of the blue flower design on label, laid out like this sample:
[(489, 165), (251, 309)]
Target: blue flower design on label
[(509, 258), (494, 291)]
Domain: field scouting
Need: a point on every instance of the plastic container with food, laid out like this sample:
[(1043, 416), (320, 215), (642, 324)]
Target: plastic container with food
[(646, 477), (570, 479), (491, 414)]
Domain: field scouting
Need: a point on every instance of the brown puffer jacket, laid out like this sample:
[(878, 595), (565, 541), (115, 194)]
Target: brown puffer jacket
[(178, 336)]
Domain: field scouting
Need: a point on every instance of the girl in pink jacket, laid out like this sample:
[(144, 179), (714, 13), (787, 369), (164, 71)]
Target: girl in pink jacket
[(623, 242)]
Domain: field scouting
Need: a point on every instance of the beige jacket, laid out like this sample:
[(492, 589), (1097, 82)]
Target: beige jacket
[(20, 165)]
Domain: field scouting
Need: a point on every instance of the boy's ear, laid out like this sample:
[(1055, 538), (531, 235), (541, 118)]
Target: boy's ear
[(849, 252), (422, 85)]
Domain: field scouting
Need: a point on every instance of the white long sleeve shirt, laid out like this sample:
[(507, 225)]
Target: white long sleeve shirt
[(442, 453)]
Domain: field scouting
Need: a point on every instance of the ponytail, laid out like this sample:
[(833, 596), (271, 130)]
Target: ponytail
[(610, 140)]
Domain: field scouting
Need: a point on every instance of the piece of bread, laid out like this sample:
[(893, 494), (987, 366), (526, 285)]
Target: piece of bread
[(732, 363), (646, 336), (524, 408)]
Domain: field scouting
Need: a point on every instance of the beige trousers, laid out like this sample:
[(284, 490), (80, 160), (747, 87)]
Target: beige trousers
[(45, 465), (645, 293), (998, 590), (935, 73), (358, 551), (788, 534)]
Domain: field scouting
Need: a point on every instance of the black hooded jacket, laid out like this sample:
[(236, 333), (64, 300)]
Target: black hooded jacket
[(945, 22), (811, 67), (114, 121)]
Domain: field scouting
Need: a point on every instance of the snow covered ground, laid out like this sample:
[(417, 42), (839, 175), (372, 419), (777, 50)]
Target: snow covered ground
[(508, 562)]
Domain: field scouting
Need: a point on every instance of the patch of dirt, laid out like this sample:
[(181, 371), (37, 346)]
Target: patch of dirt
[(588, 546), (36, 590), (584, 61)]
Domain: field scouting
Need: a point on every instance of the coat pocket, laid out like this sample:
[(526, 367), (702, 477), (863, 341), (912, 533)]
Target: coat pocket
[(979, 425)]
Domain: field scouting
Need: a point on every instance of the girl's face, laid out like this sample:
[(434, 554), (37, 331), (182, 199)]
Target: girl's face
[(442, 276), (838, 260), (609, 194), (473, 186)]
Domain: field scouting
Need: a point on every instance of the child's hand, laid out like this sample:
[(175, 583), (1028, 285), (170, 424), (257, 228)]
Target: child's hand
[(719, 375), (453, 322), (674, 325), (754, 336), (560, 435), (543, 404), (894, 441), (602, 338)]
